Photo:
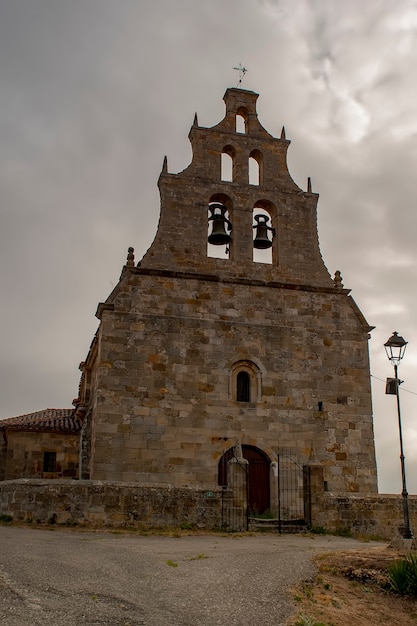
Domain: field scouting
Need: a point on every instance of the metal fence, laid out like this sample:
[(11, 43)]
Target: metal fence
[(293, 487), (292, 512), (235, 510)]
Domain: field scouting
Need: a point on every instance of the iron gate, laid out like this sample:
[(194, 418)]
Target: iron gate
[(292, 512), (233, 476), (294, 499)]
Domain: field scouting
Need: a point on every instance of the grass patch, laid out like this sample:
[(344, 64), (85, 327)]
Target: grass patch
[(402, 575), (343, 532), (353, 587), (198, 557), (268, 514), (339, 532), (305, 620)]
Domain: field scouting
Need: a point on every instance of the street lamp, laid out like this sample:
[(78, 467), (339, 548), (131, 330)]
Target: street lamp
[(395, 349)]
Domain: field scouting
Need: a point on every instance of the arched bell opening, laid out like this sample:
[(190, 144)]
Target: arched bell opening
[(227, 164), (263, 233), (253, 171), (219, 227), (241, 121), (255, 168), (258, 477)]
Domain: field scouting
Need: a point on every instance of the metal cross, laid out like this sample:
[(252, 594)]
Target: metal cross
[(242, 71)]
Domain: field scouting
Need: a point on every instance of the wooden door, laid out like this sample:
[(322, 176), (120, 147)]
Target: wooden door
[(258, 489), (258, 477)]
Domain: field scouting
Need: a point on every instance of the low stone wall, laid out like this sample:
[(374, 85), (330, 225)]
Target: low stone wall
[(100, 503), (379, 515)]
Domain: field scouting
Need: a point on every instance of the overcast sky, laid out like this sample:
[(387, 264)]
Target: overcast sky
[(94, 93)]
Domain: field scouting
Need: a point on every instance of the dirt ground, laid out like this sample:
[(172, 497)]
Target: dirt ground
[(349, 589)]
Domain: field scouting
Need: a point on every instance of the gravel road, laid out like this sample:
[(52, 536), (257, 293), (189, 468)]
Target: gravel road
[(72, 578)]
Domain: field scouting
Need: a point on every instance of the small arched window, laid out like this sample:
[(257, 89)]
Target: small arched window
[(245, 382), (243, 387)]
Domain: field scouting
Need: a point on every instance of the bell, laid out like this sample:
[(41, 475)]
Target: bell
[(262, 241), (218, 235)]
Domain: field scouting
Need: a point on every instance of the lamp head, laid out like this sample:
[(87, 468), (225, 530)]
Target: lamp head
[(395, 348)]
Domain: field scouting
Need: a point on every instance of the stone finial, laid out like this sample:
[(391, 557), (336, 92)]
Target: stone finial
[(130, 257), (237, 450), (338, 280), (309, 187), (165, 165), (195, 123), (283, 133)]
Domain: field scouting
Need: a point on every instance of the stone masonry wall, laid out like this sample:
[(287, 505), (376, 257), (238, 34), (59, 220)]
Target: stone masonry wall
[(166, 411), (96, 503), (24, 457), (109, 504), (375, 515), (181, 241)]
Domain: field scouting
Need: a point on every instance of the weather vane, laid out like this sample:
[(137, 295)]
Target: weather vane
[(242, 71)]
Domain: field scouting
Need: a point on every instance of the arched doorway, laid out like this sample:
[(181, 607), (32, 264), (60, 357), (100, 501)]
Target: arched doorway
[(259, 499)]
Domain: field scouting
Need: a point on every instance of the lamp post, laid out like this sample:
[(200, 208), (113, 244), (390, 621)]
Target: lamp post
[(395, 349)]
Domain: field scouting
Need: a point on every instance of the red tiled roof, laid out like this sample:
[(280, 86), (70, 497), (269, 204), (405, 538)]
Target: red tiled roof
[(49, 420)]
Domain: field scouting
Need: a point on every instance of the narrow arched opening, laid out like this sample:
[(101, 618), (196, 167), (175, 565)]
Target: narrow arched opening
[(263, 234), (219, 227), (255, 168), (243, 386), (253, 171), (258, 477), (241, 121), (245, 382), (227, 164)]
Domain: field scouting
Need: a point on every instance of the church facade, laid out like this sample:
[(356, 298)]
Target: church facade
[(230, 334), (229, 331)]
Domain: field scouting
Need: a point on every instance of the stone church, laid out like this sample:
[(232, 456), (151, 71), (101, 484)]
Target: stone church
[(228, 332)]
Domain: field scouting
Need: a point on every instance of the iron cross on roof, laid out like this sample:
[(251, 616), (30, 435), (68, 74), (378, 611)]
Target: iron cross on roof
[(242, 71)]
